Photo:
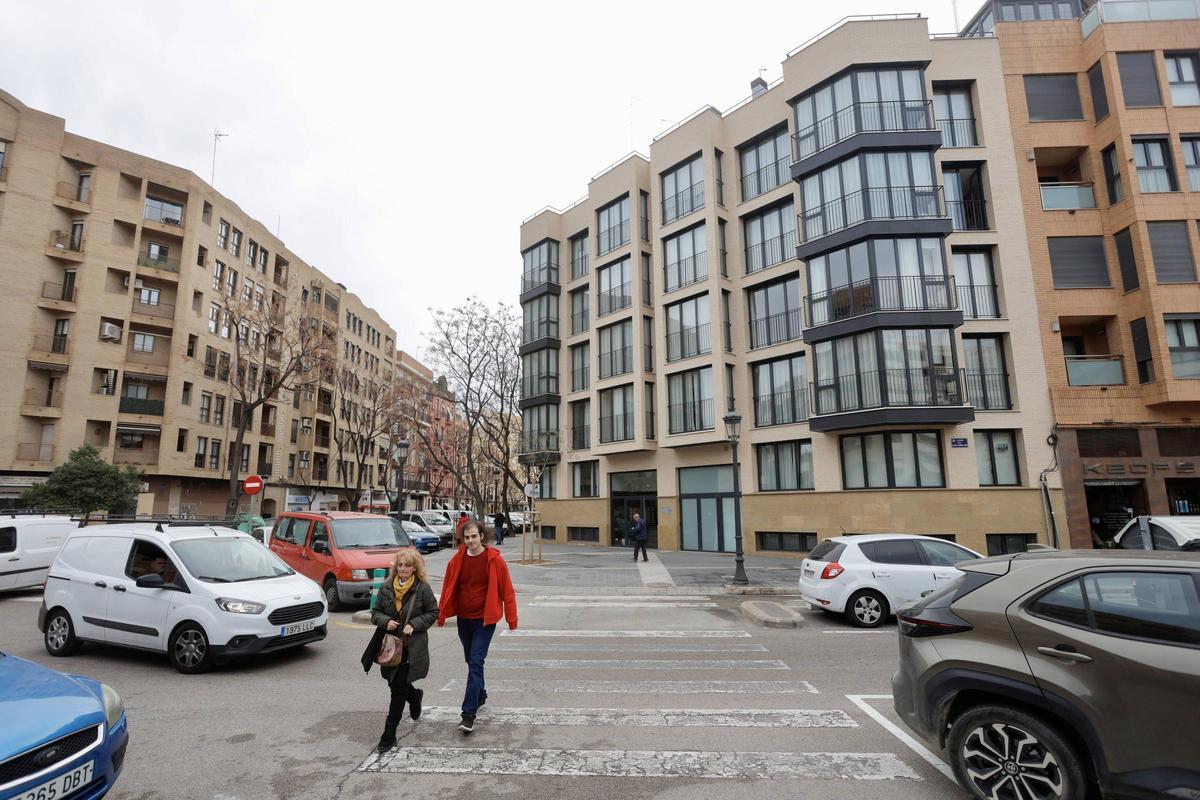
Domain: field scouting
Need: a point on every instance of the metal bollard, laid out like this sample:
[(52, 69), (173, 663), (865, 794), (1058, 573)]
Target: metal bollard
[(377, 578)]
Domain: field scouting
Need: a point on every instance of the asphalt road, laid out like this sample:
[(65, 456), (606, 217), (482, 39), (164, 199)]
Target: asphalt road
[(610, 694)]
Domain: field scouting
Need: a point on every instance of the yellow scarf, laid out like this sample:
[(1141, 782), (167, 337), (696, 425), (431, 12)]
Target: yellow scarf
[(401, 589)]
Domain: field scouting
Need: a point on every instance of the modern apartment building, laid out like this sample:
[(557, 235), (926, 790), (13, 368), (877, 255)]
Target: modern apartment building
[(1106, 132), (115, 270), (840, 260)]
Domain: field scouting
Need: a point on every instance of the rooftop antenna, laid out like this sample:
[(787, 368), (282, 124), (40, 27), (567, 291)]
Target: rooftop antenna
[(954, 7), (217, 136)]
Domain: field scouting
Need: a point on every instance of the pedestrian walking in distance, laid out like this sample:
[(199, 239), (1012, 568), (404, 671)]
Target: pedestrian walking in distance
[(499, 524), (478, 591), (463, 519), (405, 607), (640, 536)]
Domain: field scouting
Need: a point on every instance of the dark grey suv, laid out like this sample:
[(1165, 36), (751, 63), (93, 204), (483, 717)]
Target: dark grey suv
[(1045, 674)]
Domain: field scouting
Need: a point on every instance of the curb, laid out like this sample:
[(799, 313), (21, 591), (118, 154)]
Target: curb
[(759, 589), (771, 615)]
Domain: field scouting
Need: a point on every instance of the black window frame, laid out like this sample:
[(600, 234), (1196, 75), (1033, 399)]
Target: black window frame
[(1065, 280), (1038, 86), (765, 541), (1127, 259), (797, 400), (799, 445), (1113, 183), (1168, 157), (889, 460), (1099, 92), (1128, 65), (577, 475), (990, 434)]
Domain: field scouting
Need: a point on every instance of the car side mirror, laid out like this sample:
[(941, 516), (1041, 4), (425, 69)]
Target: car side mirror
[(321, 547), (1191, 546), (151, 581)]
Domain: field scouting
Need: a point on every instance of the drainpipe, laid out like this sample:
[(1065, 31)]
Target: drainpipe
[(1047, 505)]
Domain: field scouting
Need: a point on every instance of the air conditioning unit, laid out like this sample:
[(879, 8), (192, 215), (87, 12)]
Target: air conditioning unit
[(127, 281), (110, 332)]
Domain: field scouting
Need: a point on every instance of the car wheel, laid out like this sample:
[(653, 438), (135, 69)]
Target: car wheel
[(867, 609), (1001, 752), (188, 649), (332, 601), (60, 634)]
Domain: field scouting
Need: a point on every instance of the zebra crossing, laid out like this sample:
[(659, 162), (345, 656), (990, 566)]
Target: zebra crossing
[(752, 720)]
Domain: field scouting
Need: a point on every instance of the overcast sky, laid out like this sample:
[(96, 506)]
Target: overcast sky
[(399, 145)]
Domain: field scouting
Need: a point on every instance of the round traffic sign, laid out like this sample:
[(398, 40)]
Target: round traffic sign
[(252, 485)]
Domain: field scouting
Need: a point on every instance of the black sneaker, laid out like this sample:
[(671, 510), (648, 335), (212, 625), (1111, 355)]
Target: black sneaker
[(386, 743), (482, 699), (468, 723), (414, 704)]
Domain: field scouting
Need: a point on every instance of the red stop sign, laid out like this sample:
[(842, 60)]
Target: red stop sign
[(252, 485)]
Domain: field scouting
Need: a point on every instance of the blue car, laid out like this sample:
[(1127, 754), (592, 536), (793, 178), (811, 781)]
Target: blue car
[(424, 540), (63, 736)]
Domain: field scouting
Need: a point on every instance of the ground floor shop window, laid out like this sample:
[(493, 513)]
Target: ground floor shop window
[(583, 534), (707, 515), (785, 541), (1003, 544), (548, 532)]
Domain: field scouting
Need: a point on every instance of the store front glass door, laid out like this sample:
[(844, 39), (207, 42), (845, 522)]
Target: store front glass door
[(707, 509)]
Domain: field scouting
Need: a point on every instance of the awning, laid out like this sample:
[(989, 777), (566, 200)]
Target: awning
[(145, 376), (133, 427), (47, 366)]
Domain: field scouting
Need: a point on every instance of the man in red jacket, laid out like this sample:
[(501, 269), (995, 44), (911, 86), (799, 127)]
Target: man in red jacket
[(479, 592)]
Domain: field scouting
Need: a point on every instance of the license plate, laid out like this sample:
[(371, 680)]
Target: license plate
[(297, 627), (61, 786), (808, 573)]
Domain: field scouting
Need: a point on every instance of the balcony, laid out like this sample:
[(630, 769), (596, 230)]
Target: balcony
[(264, 468), (579, 267), (57, 296), (781, 408), (931, 395), (894, 300), (775, 329), (690, 417), (579, 379), (892, 211), (688, 342), (160, 356), (156, 310), (66, 245), (267, 428), (33, 451), (888, 123), (141, 405), (1098, 370), (1107, 11), (770, 252), (164, 263), (616, 428), (325, 407), (612, 237), (75, 196), (1067, 196), (685, 272), (52, 347), (968, 215), (322, 441), (989, 390), (614, 299), (538, 385), (616, 362), (978, 301), (539, 329), (581, 437), (145, 457), (579, 322), (958, 132), (539, 442), (764, 179), (163, 214), (42, 403), (682, 203)]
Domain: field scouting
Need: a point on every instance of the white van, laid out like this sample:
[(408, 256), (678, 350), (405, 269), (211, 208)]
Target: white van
[(28, 546), (202, 595)]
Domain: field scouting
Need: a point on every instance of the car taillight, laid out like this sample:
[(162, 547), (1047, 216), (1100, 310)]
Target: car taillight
[(931, 622), (831, 571)]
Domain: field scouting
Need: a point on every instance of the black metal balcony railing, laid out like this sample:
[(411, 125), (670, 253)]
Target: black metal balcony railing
[(958, 132), (612, 237), (688, 342), (580, 379), (777, 328), (889, 293), (894, 203), (539, 441), (648, 357), (579, 266), (764, 179), (141, 405), (696, 415), (616, 362), (771, 251), (968, 215), (615, 299), (683, 202), (539, 329), (163, 213), (989, 390), (533, 385), (616, 428), (879, 116), (781, 408), (547, 273), (579, 322), (978, 301), (581, 437), (685, 272), (890, 388)]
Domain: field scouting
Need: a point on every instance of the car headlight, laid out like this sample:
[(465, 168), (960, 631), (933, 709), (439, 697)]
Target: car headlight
[(114, 708), (360, 575), (239, 606)]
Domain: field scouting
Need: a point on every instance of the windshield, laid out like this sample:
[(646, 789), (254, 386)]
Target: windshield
[(227, 559), (349, 534), (434, 518), (412, 527)]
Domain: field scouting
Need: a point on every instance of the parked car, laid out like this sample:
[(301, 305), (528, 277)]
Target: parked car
[(1042, 673), (868, 577), (426, 541), (262, 533), (201, 594), (27, 548), (64, 736), (517, 520), (433, 521), (1160, 533), (338, 550)]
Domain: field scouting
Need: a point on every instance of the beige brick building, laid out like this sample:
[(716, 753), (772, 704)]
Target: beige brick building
[(840, 260), (115, 266)]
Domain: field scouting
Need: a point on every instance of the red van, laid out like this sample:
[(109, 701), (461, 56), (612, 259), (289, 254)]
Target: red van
[(338, 550)]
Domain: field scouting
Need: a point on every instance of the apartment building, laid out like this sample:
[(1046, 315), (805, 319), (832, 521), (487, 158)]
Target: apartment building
[(1106, 133), (116, 268), (431, 426), (839, 261)]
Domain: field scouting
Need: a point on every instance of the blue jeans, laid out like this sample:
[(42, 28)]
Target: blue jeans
[(476, 638)]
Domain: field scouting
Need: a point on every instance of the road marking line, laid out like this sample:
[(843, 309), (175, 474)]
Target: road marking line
[(653, 573), (639, 763), (613, 663), (598, 604), (526, 646), (356, 625), (629, 597), (703, 633), (912, 744), (655, 718), (457, 685)]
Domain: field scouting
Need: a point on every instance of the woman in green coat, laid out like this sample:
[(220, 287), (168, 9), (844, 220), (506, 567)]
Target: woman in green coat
[(405, 595)]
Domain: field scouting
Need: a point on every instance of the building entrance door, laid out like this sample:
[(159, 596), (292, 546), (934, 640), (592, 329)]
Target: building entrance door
[(623, 509), (1111, 504), (707, 509)]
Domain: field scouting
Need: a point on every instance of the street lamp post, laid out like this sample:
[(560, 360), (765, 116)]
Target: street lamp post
[(401, 455), (733, 424), (495, 489)]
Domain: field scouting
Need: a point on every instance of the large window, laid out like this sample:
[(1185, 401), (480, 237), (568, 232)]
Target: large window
[(1126, 260), (585, 479), (540, 265), (1181, 75), (905, 460), (612, 225), (774, 312), (1183, 340), (1139, 80), (580, 363), (877, 275), (975, 283), (579, 256), (1155, 166), (1078, 262), (616, 349), (690, 401), (894, 367), (579, 311), (540, 430), (764, 164), (685, 258), (1052, 97), (616, 414), (1095, 77), (954, 115), (688, 328), (539, 373), (1191, 160), (895, 185), (615, 290), (540, 317), (1112, 174), (785, 466), (683, 190), (780, 391), (1171, 250), (888, 99), (996, 457), (770, 237), (987, 376), (581, 427)]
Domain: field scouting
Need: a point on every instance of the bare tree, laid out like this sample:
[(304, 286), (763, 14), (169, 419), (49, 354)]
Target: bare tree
[(501, 424), (367, 412), (274, 352)]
